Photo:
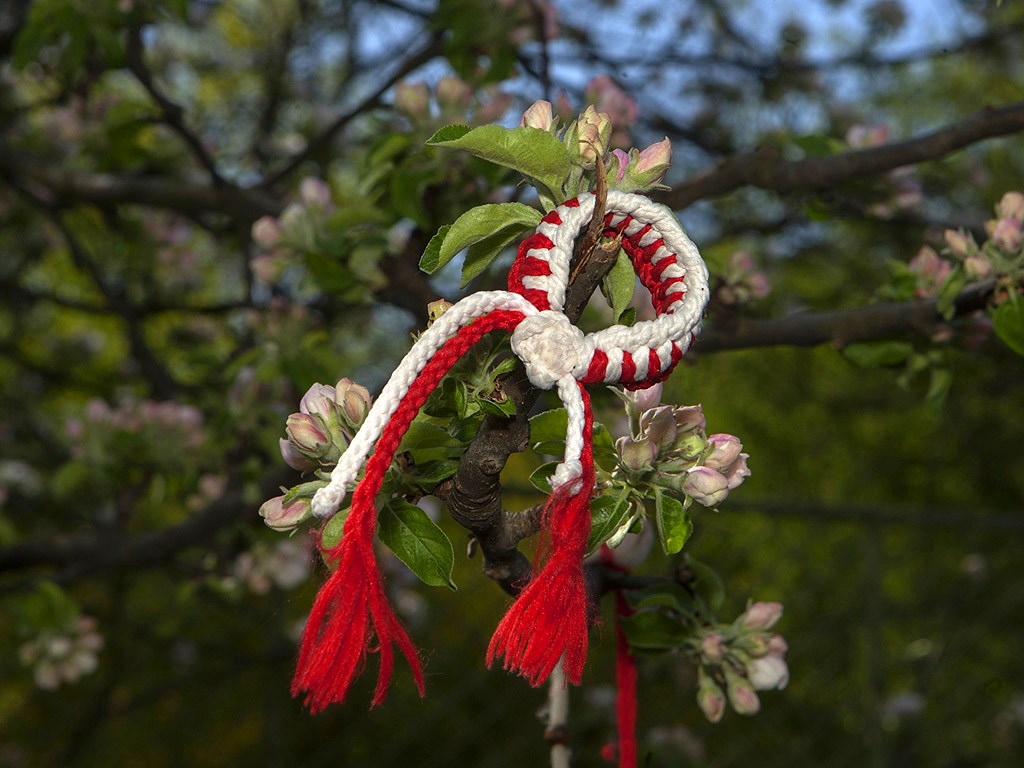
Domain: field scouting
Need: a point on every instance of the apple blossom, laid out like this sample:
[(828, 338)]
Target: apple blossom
[(761, 615), (538, 115), (706, 486)]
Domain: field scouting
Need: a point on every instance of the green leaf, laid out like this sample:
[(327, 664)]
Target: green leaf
[(417, 542), (480, 255), (619, 284), (429, 442), (1008, 323), (430, 260), (674, 524), (541, 476), (653, 631), (547, 430), (607, 515), (536, 154), (483, 222), (330, 536), (873, 354)]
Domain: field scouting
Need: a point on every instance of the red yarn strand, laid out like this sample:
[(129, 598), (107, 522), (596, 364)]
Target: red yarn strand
[(352, 605)]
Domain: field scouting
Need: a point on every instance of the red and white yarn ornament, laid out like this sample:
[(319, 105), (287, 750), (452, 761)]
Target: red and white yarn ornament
[(548, 620)]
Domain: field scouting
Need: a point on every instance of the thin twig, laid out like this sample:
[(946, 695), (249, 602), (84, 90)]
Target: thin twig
[(557, 731)]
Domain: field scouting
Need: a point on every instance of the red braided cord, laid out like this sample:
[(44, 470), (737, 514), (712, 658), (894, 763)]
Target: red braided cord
[(352, 602)]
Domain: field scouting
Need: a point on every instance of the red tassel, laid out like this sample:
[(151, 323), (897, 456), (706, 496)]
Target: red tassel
[(352, 604), (549, 618)]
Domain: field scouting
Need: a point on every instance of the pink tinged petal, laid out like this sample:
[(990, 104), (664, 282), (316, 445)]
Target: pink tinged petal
[(293, 458), (725, 450), (622, 159), (308, 434), (1011, 206), (280, 517), (317, 401), (645, 399), (706, 486), (265, 232), (737, 472), (768, 673), (712, 649), (689, 417), (538, 115), (659, 426), (710, 699), (741, 694), (960, 244), (314, 193), (1007, 234), (636, 454), (761, 615)]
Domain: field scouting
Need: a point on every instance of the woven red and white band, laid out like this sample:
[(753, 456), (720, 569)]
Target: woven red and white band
[(554, 352)]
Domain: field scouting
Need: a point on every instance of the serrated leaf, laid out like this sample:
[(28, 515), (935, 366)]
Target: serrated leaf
[(619, 285), (1008, 323), (429, 442), (430, 260), (872, 354), (674, 524), (480, 255), (418, 542), (607, 515), (532, 152), (482, 222)]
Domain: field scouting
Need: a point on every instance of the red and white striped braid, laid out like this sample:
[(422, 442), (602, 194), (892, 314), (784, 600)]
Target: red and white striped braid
[(548, 621)]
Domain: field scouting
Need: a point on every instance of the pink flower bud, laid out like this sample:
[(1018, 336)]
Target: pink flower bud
[(621, 162), (538, 115), (658, 425), (636, 454), (592, 132), (284, 518), (644, 399), (314, 193), (308, 434), (737, 472), (293, 458), (265, 232), (777, 645), (1011, 206), (761, 615), (706, 486), (318, 401), (1006, 234), (977, 268), (413, 99), (654, 161), (960, 244), (741, 694), (354, 399), (689, 417), (725, 450), (768, 673), (710, 698), (712, 649)]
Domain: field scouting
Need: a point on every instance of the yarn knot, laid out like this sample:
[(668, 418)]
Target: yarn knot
[(550, 347)]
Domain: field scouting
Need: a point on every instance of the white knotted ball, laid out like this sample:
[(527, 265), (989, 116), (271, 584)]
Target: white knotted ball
[(549, 346)]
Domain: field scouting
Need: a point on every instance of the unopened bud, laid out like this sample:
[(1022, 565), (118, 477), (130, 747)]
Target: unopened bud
[(725, 450), (710, 698), (960, 245), (538, 115), (761, 615), (284, 518), (768, 673), (1011, 206), (737, 472), (658, 426), (293, 457), (412, 98), (636, 454), (741, 694), (266, 232), (309, 434), (712, 649), (689, 417), (706, 486), (354, 399)]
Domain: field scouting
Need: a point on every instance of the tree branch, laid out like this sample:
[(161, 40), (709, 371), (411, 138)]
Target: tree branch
[(765, 169), (841, 327)]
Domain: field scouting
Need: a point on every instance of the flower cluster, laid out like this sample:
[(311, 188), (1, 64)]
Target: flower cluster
[(1002, 253), (737, 660), (161, 432), (316, 436), (63, 656), (742, 282), (594, 132), (299, 229), (452, 100), (930, 272), (669, 446)]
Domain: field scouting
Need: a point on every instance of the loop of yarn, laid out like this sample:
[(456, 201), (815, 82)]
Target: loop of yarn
[(548, 621)]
